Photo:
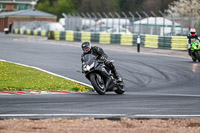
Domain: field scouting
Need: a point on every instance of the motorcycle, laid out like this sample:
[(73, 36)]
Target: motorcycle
[(101, 76), (195, 50)]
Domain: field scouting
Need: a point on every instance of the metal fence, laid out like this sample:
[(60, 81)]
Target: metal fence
[(31, 25), (160, 23)]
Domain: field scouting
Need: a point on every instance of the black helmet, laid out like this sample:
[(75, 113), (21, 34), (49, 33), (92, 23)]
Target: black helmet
[(86, 46)]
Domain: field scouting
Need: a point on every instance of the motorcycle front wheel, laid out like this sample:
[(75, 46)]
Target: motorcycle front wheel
[(98, 83), (198, 55), (194, 56)]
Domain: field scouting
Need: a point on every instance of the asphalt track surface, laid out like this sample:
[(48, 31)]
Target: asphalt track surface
[(156, 85)]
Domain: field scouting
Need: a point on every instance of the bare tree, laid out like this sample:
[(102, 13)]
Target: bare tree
[(186, 7), (145, 5)]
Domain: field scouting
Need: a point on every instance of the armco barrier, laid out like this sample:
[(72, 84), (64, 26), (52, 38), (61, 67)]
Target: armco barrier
[(126, 39), (164, 42), (85, 36), (77, 36), (16, 31), (95, 37), (56, 35), (28, 32), (35, 32), (179, 43), (151, 41), (43, 33), (69, 36), (115, 38), (21, 31), (62, 35), (105, 38)]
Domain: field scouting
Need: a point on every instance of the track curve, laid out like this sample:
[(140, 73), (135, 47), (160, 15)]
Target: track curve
[(155, 84)]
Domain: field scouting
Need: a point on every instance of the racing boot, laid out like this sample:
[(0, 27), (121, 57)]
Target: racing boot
[(189, 52), (117, 76)]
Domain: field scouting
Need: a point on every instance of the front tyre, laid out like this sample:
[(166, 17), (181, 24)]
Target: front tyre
[(198, 55), (98, 83), (194, 60)]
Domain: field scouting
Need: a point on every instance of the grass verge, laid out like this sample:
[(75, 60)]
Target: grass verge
[(19, 78)]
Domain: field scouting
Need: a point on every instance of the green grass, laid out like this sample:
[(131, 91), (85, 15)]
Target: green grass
[(18, 78)]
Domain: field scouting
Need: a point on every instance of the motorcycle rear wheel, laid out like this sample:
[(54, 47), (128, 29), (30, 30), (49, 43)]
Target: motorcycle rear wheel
[(98, 85), (120, 88)]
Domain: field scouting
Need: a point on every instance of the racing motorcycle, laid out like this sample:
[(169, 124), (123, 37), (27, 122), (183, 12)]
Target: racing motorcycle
[(101, 76), (195, 50)]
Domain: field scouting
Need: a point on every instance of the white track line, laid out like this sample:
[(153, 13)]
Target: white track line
[(160, 94), (149, 115), (48, 115), (99, 115), (47, 72)]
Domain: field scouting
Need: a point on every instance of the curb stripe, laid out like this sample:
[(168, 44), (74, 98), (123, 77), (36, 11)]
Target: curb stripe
[(9, 92), (37, 93), (60, 91), (20, 92)]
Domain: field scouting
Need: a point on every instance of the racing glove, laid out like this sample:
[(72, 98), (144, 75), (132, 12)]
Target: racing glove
[(102, 58)]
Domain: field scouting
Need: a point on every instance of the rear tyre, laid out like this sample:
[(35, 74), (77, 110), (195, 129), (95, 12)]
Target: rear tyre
[(98, 83), (120, 88)]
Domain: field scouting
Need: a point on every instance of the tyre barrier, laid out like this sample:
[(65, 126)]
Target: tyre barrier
[(30, 32), (150, 41)]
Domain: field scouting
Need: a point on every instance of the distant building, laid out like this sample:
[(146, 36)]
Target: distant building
[(157, 26), (7, 19), (15, 5)]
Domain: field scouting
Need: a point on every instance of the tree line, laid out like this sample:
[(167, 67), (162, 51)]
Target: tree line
[(58, 7)]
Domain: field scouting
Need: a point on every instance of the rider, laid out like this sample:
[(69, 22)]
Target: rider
[(99, 53), (192, 35)]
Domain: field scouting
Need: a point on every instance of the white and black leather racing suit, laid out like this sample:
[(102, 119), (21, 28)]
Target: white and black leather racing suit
[(100, 54)]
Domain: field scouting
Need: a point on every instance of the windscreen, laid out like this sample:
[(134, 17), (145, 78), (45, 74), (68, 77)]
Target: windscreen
[(197, 41), (89, 59), (194, 40)]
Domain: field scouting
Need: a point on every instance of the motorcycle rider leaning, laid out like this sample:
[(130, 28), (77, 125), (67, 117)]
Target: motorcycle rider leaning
[(192, 35), (99, 53)]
